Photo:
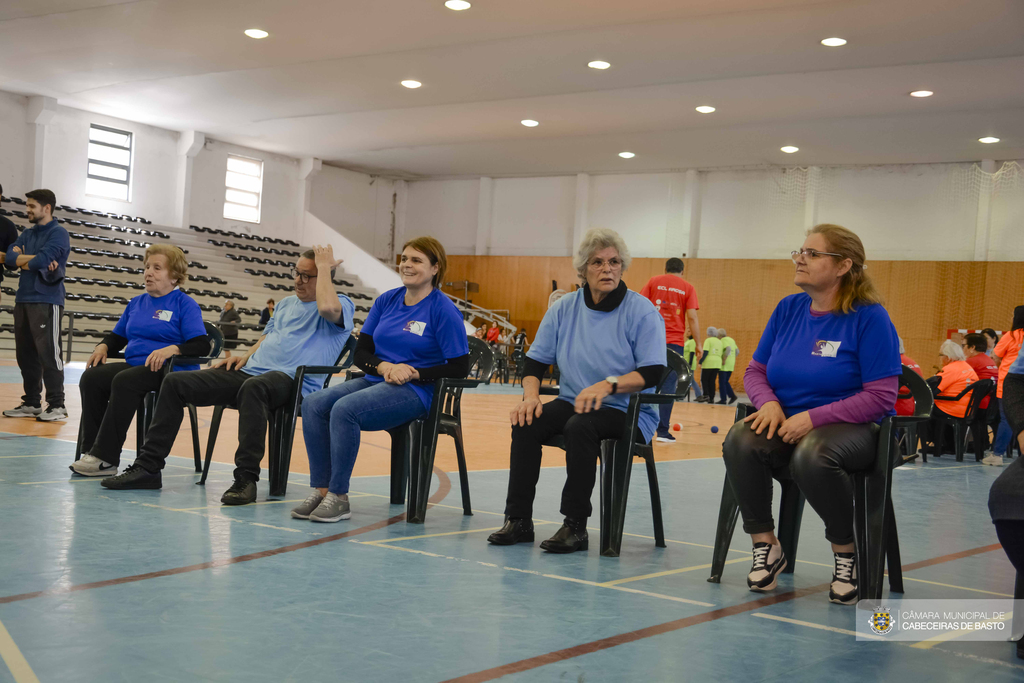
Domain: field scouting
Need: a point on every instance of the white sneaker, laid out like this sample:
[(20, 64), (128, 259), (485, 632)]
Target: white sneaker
[(24, 410), (995, 460), (53, 414), (843, 589), (91, 466), (769, 561)]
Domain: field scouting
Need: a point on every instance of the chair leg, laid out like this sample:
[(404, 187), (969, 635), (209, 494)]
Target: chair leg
[(276, 460), (652, 481), (791, 513), (197, 453), (1017, 625), (621, 463), (218, 412), (140, 427), (413, 504), (460, 452), (400, 443), (959, 440), (728, 513), (78, 446), (892, 551)]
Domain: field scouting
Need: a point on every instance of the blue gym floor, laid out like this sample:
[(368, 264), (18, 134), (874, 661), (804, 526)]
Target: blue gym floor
[(168, 585)]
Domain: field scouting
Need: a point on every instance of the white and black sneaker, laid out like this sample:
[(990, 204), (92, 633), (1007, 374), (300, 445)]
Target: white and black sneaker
[(843, 590), (666, 438), (53, 414), (91, 466), (24, 410), (769, 561)]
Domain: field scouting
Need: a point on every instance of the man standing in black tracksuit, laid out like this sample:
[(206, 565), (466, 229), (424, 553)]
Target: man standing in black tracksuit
[(41, 255), (8, 234)]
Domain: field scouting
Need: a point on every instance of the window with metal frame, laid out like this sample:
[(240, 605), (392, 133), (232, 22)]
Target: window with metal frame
[(243, 189), (110, 163)]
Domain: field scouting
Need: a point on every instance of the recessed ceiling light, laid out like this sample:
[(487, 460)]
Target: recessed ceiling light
[(457, 5), (704, 109), (598, 64), (833, 42), (790, 149), (626, 155), (922, 93), (256, 33), (411, 84), (529, 123), (988, 140)]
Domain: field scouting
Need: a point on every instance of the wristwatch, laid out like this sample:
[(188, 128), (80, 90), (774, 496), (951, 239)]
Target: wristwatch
[(614, 381)]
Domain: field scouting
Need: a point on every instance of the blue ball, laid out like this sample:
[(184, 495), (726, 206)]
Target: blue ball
[(714, 430)]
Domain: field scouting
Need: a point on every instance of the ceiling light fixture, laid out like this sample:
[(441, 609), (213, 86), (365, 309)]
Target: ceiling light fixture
[(411, 84), (705, 109), (256, 33), (833, 42), (457, 5), (598, 64), (988, 140), (922, 93), (529, 123), (790, 149), (626, 155)]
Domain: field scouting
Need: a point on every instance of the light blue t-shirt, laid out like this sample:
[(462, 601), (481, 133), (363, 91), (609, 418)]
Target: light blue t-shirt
[(589, 345), (299, 335), (1018, 366), (425, 335), (150, 323)]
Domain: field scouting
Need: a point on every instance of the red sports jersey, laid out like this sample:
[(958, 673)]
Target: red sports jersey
[(673, 296), (985, 368), (905, 401)]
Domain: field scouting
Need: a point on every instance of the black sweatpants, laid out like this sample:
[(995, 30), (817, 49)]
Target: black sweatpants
[(254, 395), (582, 433), (111, 394), (707, 382), (38, 350), (820, 464)]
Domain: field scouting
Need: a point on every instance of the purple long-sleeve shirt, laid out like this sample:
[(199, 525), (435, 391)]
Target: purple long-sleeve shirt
[(872, 403)]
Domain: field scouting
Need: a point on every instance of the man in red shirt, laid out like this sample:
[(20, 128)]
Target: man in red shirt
[(676, 300), (904, 400)]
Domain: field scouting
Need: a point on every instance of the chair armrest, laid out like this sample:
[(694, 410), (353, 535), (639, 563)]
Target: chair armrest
[(549, 390), (322, 369), (907, 420), (465, 383), (658, 398)]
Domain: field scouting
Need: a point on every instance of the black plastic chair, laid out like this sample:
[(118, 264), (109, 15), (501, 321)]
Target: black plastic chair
[(962, 426), (874, 521), (617, 461)]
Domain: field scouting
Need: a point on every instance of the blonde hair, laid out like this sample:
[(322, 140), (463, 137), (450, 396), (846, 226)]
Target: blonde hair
[(177, 264), (435, 252), (594, 241), (856, 287)]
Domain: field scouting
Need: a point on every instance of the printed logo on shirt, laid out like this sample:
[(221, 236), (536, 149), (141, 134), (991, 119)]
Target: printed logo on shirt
[(826, 349), (416, 327), (163, 315)]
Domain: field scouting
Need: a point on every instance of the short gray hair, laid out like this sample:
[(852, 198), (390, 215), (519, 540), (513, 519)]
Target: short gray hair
[(311, 255), (903, 348), (951, 350), (594, 241), (712, 332), (721, 332)]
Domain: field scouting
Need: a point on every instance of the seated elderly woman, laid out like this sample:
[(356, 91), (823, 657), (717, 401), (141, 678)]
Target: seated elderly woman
[(825, 372), (161, 323), (955, 376), (608, 343)]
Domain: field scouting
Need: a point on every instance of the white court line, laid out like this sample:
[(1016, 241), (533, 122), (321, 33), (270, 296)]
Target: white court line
[(15, 661), (820, 627)]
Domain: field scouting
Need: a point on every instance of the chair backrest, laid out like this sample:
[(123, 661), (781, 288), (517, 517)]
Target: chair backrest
[(678, 365), (979, 390), (919, 390), (480, 352), (215, 337)]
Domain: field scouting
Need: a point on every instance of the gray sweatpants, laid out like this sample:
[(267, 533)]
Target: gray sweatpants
[(38, 350)]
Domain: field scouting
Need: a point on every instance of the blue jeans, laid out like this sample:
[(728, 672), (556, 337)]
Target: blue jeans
[(669, 387), (333, 418), (724, 388), (1004, 434)]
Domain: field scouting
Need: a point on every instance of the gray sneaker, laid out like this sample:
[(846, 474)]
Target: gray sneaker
[(333, 508), (24, 410), (308, 505), (91, 466), (53, 414)]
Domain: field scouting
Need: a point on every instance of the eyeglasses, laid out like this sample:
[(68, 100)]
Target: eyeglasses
[(811, 254), (599, 264), (302, 277)]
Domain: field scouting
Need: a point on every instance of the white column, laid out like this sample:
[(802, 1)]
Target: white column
[(984, 221), (677, 238), (190, 143), (811, 198), (691, 212), (40, 112), (484, 216), (308, 167), (581, 221)]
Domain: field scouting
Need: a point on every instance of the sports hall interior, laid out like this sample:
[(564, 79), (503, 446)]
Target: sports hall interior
[(531, 122)]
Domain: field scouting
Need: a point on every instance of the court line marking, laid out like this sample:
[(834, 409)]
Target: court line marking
[(667, 572), (75, 480), (820, 627), (933, 583), (209, 515), (15, 661), (929, 643), (41, 455), (446, 533)]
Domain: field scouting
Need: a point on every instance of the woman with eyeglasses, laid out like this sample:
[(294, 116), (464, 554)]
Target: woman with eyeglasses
[(825, 372), (608, 343)]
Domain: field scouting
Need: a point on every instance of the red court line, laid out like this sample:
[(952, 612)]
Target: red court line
[(668, 627), (445, 485)]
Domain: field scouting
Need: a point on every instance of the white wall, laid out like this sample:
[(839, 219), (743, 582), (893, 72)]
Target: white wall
[(446, 210), (355, 205), (358, 262), (15, 145), (532, 216)]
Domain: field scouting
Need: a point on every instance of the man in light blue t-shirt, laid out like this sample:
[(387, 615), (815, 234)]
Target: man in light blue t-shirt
[(310, 328)]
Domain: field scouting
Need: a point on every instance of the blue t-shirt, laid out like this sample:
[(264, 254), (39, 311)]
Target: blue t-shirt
[(423, 336), (150, 323), (589, 345), (299, 335), (814, 360), (1018, 366)]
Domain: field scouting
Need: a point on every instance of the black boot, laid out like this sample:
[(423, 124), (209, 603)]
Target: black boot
[(570, 538), (515, 531)]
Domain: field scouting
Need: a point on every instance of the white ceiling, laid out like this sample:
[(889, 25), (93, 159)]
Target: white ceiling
[(326, 81)]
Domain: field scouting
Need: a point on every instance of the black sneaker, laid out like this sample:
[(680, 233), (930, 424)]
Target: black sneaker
[(516, 530), (666, 438), (570, 538), (843, 590), (769, 561), (240, 493), (135, 477), (732, 400)]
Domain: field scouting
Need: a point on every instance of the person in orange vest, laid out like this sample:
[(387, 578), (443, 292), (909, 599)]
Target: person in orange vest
[(955, 376)]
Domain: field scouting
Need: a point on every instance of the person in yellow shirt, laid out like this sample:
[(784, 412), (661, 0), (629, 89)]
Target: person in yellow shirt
[(689, 351), (729, 352), (710, 364)]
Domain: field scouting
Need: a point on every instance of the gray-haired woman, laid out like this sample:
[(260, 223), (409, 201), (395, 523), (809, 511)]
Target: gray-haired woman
[(608, 342), (710, 364)]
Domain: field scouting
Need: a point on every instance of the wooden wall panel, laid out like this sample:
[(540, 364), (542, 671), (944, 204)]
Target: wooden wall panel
[(924, 298)]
